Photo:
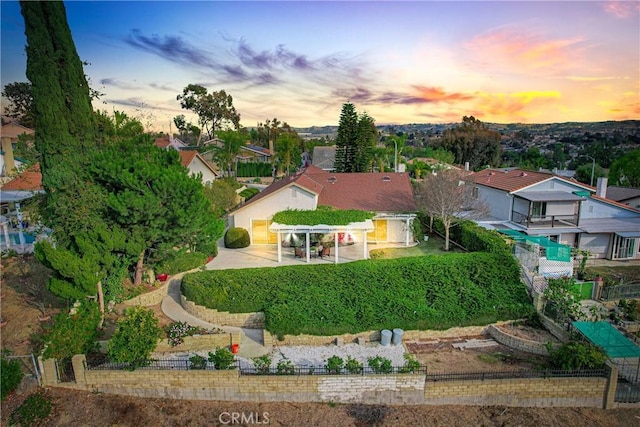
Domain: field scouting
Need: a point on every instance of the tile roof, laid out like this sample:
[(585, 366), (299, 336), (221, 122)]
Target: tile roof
[(379, 192), (186, 157), (620, 194), (162, 142), (29, 180), (516, 179), (614, 203)]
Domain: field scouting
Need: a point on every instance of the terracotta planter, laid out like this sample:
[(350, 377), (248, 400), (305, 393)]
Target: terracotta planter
[(162, 277), (210, 258)]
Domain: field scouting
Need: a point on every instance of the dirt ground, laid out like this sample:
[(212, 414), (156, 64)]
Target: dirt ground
[(75, 408)]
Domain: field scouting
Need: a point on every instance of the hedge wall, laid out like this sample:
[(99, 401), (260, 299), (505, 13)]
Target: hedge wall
[(475, 238), (409, 293), (254, 169)]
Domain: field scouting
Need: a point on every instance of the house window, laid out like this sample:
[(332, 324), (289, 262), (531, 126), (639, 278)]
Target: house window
[(552, 185), (539, 209), (590, 209), (474, 192), (294, 192), (624, 248)]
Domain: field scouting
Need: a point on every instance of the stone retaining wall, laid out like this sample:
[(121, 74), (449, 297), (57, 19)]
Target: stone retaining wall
[(524, 392), (555, 329), (392, 389), (522, 344), (243, 320), (150, 298)]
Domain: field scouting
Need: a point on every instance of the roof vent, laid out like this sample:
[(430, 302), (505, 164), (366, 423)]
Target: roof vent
[(332, 179), (523, 174), (491, 173), (386, 178)]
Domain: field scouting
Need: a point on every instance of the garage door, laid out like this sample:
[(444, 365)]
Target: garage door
[(260, 234)]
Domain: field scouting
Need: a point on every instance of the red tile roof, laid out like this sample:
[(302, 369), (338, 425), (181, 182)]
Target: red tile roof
[(162, 142), (29, 180), (614, 203), (510, 180), (379, 192), (186, 157)]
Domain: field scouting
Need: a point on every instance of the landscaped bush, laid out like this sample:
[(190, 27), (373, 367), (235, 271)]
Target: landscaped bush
[(184, 261), (475, 238), (73, 334), (254, 169), (408, 293), (236, 238), (248, 193), (176, 331), (135, 338), (222, 359), (577, 355), (11, 376)]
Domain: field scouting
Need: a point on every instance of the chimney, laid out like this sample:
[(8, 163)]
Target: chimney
[(466, 166), (601, 188), (9, 162), (271, 147)]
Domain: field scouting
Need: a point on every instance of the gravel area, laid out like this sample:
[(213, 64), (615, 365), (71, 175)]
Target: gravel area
[(308, 356)]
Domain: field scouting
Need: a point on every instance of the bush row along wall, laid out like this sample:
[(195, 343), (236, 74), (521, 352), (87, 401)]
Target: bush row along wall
[(150, 298), (397, 389), (518, 343), (244, 320), (473, 237), (408, 293)]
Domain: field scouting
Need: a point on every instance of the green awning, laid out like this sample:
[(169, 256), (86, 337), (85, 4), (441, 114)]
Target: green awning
[(554, 251), (611, 340)]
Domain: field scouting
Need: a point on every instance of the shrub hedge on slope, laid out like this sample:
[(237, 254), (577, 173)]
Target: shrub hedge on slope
[(409, 293)]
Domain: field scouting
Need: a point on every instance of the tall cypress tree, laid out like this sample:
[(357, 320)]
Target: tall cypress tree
[(63, 117), (367, 134), (346, 139)]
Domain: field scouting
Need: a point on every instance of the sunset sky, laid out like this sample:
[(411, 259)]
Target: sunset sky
[(401, 62)]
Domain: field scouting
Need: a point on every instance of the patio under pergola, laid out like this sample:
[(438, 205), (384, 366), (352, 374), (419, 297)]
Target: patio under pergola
[(340, 233)]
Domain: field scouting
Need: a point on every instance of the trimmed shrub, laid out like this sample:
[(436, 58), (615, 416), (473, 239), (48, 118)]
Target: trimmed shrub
[(236, 237), (411, 293), (577, 355), (184, 261), (11, 375), (248, 193), (197, 362), (222, 359), (135, 338)]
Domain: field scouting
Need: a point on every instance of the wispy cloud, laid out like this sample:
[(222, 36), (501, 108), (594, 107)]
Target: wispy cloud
[(592, 79), (515, 105), (163, 87), (418, 95), (523, 50), (118, 84), (621, 9), (241, 63)]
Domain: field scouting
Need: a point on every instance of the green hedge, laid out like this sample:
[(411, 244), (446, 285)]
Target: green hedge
[(409, 293), (254, 169), (185, 261), (474, 238), (322, 215), (248, 193)]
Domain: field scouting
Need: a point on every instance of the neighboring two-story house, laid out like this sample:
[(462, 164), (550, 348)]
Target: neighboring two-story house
[(565, 211)]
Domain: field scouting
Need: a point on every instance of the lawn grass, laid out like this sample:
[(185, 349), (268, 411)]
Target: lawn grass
[(434, 246)]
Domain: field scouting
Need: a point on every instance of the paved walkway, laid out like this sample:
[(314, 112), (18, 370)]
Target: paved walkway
[(251, 341)]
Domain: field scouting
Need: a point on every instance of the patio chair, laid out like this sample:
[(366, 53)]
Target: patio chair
[(326, 251), (298, 252)]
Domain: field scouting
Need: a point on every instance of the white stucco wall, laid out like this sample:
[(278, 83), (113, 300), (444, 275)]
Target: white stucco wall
[(593, 208), (596, 244), (197, 166), (276, 202), (498, 201)]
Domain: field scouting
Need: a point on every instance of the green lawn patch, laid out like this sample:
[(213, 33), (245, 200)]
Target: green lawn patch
[(425, 292)]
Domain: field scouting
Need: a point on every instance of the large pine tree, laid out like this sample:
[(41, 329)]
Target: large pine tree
[(346, 139)]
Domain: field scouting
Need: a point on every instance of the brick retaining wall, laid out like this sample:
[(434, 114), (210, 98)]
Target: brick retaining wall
[(243, 320), (522, 344), (150, 298), (392, 389), (529, 392)]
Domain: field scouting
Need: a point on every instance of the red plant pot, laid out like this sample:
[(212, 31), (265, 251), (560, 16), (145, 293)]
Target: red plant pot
[(162, 277), (210, 258)]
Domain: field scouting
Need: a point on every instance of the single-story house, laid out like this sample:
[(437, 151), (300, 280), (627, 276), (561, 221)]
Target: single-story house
[(560, 209), (324, 157), (254, 153), (190, 159), (389, 195)]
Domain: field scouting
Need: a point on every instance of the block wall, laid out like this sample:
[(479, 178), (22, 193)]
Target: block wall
[(244, 320)]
